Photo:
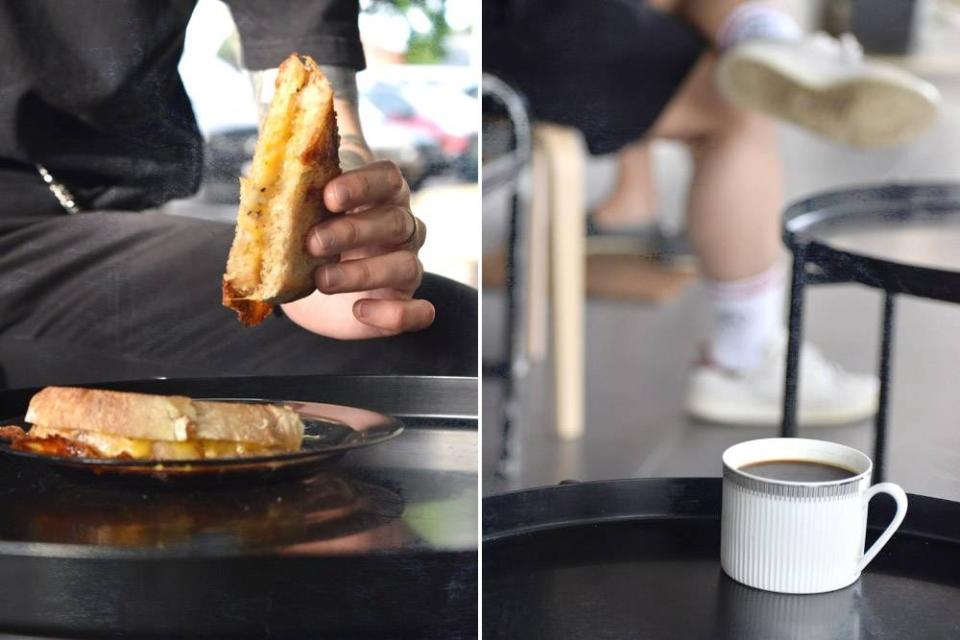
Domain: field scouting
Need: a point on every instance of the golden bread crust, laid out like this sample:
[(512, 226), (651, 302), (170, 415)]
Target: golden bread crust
[(250, 312)]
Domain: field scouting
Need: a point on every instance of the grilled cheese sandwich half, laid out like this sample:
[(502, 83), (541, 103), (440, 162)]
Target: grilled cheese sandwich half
[(282, 197), (114, 424)]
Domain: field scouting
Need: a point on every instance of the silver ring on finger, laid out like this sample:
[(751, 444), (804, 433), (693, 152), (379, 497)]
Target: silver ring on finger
[(415, 234)]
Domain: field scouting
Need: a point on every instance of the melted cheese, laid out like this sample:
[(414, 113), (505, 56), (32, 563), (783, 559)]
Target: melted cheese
[(272, 152), (114, 446)]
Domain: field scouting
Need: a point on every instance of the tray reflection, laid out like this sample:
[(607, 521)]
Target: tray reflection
[(326, 513)]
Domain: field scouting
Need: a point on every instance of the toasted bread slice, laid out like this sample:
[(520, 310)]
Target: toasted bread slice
[(282, 197), (128, 415), (270, 425)]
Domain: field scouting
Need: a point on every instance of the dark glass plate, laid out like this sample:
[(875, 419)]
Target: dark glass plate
[(330, 431)]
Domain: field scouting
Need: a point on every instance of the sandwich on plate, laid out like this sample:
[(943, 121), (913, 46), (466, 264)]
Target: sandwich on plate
[(94, 423)]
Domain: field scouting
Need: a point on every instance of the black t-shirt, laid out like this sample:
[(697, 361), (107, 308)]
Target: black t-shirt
[(90, 90)]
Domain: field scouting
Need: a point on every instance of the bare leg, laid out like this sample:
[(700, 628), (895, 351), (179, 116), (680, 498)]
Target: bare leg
[(733, 223), (633, 199), (733, 217)]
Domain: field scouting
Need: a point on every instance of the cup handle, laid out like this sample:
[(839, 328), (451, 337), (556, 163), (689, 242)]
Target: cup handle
[(894, 491)]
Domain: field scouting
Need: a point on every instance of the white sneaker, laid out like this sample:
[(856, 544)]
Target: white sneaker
[(825, 85), (829, 396)]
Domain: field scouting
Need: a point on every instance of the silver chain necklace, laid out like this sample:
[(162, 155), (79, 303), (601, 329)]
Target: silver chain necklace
[(59, 191)]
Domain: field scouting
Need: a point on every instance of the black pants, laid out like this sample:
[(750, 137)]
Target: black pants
[(111, 296), (606, 67)]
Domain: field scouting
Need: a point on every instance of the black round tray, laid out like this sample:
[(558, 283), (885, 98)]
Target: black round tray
[(381, 544), (899, 238), (640, 559)]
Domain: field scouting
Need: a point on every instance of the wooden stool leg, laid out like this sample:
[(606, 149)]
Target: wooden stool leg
[(538, 259), (564, 150)]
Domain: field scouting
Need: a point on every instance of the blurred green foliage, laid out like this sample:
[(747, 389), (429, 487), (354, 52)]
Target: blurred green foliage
[(429, 47)]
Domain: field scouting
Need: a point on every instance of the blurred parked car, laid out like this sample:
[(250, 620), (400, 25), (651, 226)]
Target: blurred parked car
[(428, 129)]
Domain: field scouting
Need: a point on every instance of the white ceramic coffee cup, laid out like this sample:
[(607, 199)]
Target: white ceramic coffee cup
[(799, 537)]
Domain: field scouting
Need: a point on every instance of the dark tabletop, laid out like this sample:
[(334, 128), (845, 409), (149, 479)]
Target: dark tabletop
[(922, 242), (390, 530), (899, 237), (640, 559)]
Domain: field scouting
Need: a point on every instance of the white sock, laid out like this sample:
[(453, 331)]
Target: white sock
[(757, 20), (747, 316)]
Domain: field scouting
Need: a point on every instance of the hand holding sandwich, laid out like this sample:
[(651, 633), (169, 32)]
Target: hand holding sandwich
[(369, 292), (322, 229)]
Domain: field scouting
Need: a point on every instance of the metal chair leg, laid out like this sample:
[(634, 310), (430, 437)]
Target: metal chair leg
[(883, 408), (788, 426), (509, 391), (516, 110)]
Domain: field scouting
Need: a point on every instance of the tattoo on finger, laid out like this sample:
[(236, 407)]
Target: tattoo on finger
[(353, 139), (350, 159)]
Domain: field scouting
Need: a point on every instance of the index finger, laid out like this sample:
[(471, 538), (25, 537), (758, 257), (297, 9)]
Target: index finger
[(375, 183)]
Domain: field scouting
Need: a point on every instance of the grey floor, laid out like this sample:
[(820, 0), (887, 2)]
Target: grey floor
[(638, 355)]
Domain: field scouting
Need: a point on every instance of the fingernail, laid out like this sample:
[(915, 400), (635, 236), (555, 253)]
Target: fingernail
[(322, 242), (362, 310), (332, 276), (340, 194)]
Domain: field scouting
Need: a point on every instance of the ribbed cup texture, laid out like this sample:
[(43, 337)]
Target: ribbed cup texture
[(792, 544)]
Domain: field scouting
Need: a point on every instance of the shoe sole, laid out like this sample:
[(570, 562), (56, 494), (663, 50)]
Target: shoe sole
[(736, 416), (861, 111)]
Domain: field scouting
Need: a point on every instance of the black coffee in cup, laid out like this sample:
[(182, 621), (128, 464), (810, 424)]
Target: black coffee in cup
[(797, 471)]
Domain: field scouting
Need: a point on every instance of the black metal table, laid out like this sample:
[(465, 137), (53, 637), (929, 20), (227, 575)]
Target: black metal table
[(381, 544), (901, 239), (641, 559)]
